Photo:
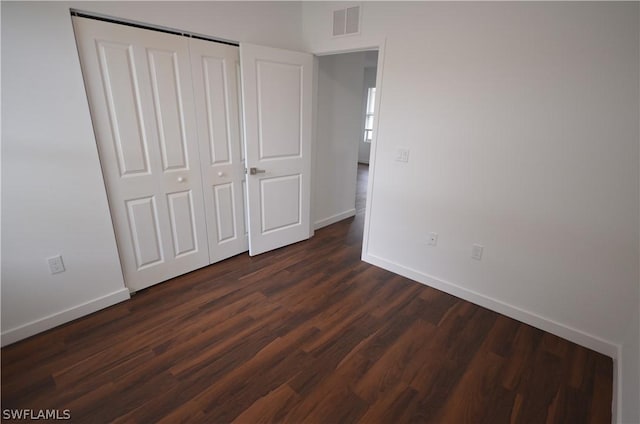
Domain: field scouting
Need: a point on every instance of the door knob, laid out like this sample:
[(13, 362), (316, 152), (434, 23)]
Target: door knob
[(254, 171), (181, 179), (220, 174)]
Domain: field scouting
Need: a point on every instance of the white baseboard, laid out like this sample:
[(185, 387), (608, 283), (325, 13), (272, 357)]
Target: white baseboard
[(608, 348), (59, 318), (334, 218)]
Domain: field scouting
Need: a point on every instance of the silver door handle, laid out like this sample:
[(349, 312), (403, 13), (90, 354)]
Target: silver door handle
[(254, 171)]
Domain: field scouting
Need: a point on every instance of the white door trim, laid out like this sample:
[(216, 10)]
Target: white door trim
[(351, 46)]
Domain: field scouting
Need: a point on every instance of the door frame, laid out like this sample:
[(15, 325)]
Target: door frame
[(352, 45)]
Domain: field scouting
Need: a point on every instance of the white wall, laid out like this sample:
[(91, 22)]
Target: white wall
[(364, 149), (522, 121), (338, 129), (53, 197)]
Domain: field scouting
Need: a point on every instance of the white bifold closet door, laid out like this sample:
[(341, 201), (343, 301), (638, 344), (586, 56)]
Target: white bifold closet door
[(155, 150), (215, 68), (166, 113)]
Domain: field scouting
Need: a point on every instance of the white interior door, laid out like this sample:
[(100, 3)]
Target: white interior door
[(141, 99), (215, 81), (276, 88)]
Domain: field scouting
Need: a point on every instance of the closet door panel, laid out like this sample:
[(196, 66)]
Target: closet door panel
[(225, 212), (183, 222), (170, 116), (215, 81), (217, 114), (139, 88), (125, 116)]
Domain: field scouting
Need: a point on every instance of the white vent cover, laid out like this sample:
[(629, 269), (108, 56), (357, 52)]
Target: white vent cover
[(346, 21)]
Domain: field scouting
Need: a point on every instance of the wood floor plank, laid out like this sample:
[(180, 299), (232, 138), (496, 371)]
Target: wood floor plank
[(271, 408), (332, 388), (398, 405), (539, 389), (525, 344), (399, 359), (307, 333), (480, 386)]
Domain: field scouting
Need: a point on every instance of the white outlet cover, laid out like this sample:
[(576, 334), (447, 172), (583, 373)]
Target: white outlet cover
[(476, 251), (402, 154)]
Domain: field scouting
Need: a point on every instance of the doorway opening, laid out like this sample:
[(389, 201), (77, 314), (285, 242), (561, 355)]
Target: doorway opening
[(344, 131), (364, 143)]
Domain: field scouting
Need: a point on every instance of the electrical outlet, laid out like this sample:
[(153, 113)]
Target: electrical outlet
[(402, 154), (55, 264), (476, 251), (433, 239)]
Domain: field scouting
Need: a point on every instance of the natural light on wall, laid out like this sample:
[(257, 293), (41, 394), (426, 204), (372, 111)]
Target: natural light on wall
[(368, 121)]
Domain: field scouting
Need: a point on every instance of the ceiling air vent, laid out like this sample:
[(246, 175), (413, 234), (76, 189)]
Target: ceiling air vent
[(346, 21)]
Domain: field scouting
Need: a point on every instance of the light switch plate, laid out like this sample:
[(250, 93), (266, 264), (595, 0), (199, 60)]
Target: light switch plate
[(55, 264)]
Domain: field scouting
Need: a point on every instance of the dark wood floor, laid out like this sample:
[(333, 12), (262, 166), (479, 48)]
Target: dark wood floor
[(307, 333), (361, 188)]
